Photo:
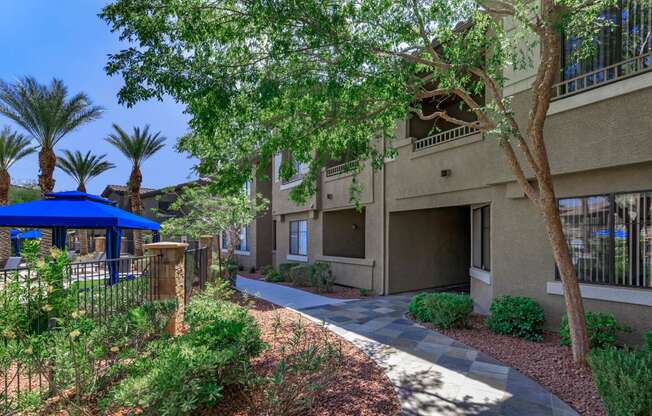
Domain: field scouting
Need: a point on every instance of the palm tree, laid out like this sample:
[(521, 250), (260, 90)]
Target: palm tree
[(13, 147), (82, 168), (46, 113), (137, 147)]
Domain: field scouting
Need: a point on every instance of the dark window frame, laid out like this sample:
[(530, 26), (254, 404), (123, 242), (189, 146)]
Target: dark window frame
[(292, 250), (612, 279), (485, 232)]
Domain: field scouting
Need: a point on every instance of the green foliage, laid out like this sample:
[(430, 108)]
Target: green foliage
[(13, 147), (517, 316), (301, 274), (274, 276), (322, 277), (178, 377), (443, 310), (81, 356), (603, 330), (82, 168), (648, 341), (364, 292), (308, 364), (248, 96), (623, 379), (284, 270), (24, 193)]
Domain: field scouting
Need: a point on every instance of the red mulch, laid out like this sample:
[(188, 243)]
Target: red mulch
[(338, 292), (360, 388), (547, 362)]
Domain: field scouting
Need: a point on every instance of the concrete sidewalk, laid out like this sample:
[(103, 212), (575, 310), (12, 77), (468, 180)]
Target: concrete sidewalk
[(282, 295)]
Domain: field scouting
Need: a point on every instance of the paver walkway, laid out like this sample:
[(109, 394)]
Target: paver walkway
[(433, 374), (283, 295)]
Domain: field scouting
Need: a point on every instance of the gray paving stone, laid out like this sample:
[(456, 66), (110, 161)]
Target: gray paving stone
[(433, 374)]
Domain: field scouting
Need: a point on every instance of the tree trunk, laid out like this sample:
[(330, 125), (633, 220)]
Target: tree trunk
[(136, 204), (567, 272), (47, 161), (83, 234), (5, 233)]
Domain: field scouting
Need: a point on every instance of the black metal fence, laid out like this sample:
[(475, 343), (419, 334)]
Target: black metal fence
[(196, 269), (99, 289)]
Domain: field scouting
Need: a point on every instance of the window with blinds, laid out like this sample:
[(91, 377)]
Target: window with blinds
[(622, 48), (610, 237)]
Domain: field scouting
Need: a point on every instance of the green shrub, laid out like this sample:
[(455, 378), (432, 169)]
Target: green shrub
[(180, 376), (648, 341), (443, 310), (267, 269), (274, 276), (364, 292), (624, 381), (301, 274), (602, 328), (518, 316), (284, 269), (322, 277)]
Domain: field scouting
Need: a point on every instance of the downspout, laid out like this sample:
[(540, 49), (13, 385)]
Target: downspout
[(383, 246)]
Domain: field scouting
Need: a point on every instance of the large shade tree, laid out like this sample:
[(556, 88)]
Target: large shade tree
[(13, 147), (321, 79), (138, 146), (82, 168)]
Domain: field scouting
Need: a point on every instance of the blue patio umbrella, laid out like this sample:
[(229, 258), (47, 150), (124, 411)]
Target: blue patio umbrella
[(62, 210)]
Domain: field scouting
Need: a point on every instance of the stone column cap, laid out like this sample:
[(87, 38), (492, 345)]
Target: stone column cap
[(166, 244)]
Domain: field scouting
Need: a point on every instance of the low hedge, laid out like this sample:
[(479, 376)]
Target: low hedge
[(602, 328), (624, 380), (648, 341), (302, 274), (284, 270), (180, 376), (517, 316), (443, 310)]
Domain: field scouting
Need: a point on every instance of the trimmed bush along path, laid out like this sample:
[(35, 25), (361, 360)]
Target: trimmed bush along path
[(433, 374)]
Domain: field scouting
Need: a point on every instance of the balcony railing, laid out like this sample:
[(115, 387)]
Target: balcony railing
[(603, 76), (341, 168), (443, 137)]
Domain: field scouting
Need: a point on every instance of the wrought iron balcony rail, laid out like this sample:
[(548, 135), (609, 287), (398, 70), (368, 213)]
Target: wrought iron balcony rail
[(341, 168), (443, 137), (603, 76)]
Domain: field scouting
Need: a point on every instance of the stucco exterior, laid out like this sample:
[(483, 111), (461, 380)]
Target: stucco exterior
[(598, 142)]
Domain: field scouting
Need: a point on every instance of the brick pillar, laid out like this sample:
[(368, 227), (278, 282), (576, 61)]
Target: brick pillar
[(207, 241), (100, 244), (171, 278), (123, 245)]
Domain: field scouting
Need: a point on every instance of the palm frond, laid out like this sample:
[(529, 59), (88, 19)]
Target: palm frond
[(13, 147), (82, 168), (45, 111), (138, 146)]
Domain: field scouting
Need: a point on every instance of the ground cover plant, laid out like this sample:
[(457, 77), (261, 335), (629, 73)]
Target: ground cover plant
[(603, 330), (624, 379), (517, 316), (442, 310)]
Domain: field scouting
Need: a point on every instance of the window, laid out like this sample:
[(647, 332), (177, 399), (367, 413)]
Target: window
[(481, 231), (274, 235), (244, 242), (628, 36), (610, 237), (299, 237), (247, 188)]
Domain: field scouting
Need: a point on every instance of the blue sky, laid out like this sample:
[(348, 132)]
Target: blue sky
[(65, 39)]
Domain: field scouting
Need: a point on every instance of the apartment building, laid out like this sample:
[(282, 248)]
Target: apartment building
[(447, 210), (256, 239)]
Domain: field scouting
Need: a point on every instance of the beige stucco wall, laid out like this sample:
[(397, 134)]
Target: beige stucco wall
[(428, 248)]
